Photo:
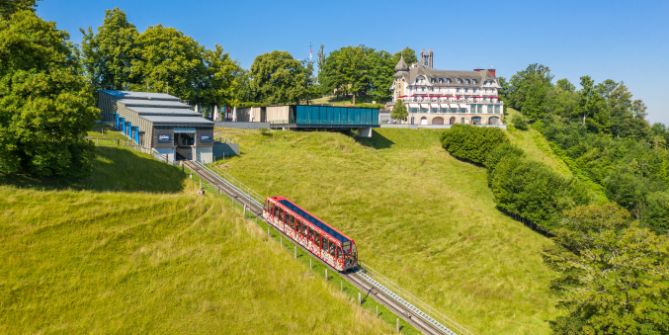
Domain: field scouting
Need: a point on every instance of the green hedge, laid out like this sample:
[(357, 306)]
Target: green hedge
[(472, 144), (526, 190)]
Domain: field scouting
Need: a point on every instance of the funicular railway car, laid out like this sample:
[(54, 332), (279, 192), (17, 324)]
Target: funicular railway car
[(321, 239)]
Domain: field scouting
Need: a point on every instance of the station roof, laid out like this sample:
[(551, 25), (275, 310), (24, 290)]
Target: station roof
[(164, 111), (153, 103), (139, 95), (176, 119)]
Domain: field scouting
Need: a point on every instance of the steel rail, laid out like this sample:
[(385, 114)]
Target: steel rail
[(359, 278)]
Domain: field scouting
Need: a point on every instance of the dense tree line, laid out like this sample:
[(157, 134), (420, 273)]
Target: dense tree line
[(613, 272), (159, 59), (612, 257), (602, 131), (360, 71), (46, 105)]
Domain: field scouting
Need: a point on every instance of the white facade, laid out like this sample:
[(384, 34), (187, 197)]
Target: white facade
[(438, 97)]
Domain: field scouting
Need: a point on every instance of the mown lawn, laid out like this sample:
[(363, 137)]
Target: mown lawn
[(419, 216), (142, 258)]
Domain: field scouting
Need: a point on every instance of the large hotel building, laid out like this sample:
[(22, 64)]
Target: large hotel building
[(438, 97)]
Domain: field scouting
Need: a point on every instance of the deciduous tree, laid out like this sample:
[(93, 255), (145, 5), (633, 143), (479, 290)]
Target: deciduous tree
[(108, 54), (46, 107), (168, 61), (277, 77)]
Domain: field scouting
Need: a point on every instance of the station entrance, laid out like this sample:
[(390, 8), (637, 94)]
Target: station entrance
[(184, 140)]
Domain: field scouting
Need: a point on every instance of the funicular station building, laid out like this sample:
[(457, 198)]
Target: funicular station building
[(313, 117), (159, 122)]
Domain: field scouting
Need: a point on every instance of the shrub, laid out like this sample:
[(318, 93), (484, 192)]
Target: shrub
[(496, 155), (472, 144), (519, 122), (531, 192)]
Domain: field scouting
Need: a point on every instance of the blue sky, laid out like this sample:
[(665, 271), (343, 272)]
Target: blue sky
[(622, 40)]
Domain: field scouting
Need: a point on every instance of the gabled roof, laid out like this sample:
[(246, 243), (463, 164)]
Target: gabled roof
[(453, 75)]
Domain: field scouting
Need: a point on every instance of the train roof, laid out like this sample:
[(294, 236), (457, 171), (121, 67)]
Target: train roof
[(314, 220)]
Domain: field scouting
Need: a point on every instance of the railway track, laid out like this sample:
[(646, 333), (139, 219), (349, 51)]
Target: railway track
[(359, 278)]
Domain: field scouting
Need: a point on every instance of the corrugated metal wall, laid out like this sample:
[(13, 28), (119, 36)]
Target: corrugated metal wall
[(309, 115)]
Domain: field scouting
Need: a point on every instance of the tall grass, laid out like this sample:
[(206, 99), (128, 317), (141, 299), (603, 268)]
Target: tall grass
[(424, 219), (143, 259)]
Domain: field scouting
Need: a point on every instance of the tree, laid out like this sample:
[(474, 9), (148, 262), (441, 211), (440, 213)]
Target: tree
[(277, 77), (614, 275), (225, 78), (408, 54), (168, 61), (108, 55), (346, 72), (528, 89), (381, 69), (656, 213), (46, 107), (9, 7), (399, 111)]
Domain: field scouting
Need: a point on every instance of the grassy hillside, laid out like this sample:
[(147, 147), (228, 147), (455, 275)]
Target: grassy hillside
[(536, 146), (138, 260), (421, 217)]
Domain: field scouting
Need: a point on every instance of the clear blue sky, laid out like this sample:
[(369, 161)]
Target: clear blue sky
[(624, 41)]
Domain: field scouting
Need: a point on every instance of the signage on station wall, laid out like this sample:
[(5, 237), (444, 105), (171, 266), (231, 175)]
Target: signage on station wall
[(164, 139), (205, 138)]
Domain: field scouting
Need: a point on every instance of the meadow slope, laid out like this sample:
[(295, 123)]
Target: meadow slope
[(421, 217), (139, 260)]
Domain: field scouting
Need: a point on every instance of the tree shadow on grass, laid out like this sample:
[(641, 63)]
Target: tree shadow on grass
[(115, 170), (377, 141)]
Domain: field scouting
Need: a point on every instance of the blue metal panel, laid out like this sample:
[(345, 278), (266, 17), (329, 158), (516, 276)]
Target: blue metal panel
[(323, 116), (136, 131), (128, 128), (116, 121), (122, 121)]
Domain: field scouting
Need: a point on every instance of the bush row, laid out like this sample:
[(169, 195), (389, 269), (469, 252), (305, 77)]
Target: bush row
[(526, 190)]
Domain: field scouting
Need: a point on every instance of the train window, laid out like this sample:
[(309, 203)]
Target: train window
[(332, 249), (347, 246), (325, 244)]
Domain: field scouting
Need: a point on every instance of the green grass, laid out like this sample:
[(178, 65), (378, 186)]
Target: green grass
[(536, 147), (142, 258), (422, 218)]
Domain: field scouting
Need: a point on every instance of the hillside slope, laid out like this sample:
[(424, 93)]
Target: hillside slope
[(131, 261), (421, 217)]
